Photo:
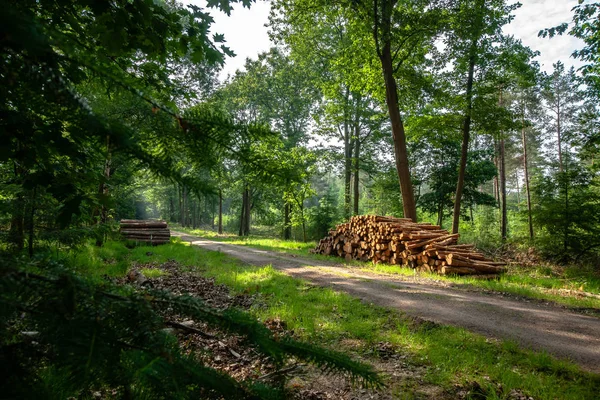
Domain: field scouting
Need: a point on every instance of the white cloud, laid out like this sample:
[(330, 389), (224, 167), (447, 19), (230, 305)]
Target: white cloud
[(536, 15), (246, 34)]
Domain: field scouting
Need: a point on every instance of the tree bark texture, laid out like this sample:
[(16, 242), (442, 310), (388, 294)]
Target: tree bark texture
[(391, 98), (348, 144), (243, 213), (287, 223), (356, 167), (503, 218), (465, 143), (220, 211), (526, 171), (504, 221), (247, 213)]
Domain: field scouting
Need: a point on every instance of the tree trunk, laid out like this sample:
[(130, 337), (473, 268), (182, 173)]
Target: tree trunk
[(465, 141), (398, 135), (503, 221), (243, 213), (303, 224), (220, 211), (558, 134), (212, 212), (356, 169), (287, 228), (440, 218), (247, 212), (567, 217), (195, 208), (497, 165), (171, 209), (348, 144), (503, 189), (526, 171)]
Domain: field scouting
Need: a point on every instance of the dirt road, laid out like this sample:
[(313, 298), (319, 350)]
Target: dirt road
[(532, 324)]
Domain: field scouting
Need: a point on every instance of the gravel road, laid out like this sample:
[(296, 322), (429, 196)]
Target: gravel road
[(532, 324)]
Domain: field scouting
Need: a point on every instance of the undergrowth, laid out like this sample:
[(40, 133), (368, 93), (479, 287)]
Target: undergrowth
[(451, 356)]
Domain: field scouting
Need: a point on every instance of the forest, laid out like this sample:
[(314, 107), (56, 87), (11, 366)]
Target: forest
[(424, 110)]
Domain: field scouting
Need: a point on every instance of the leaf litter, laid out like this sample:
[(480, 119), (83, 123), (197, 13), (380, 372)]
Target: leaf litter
[(232, 354)]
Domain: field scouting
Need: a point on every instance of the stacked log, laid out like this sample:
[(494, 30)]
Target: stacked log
[(401, 241), (149, 231)]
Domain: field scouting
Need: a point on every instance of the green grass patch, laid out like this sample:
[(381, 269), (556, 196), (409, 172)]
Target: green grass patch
[(324, 316), (518, 282), (153, 272), (258, 242)]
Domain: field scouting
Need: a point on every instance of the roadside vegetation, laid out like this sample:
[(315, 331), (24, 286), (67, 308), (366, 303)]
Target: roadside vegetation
[(448, 359)]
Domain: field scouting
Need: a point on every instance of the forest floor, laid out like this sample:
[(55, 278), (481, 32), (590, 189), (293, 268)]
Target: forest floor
[(533, 324)]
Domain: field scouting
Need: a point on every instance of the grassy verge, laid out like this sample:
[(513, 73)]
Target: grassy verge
[(449, 356), (572, 287)]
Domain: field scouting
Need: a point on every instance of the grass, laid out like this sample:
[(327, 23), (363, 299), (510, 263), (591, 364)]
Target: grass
[(565, 286), (256, 241), (449, 355)]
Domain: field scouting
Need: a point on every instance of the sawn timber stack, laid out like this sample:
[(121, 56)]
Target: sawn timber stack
[(153, 232), (423, 246)]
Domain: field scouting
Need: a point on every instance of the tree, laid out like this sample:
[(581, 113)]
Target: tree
[(475, 32), (561, 97), (402, 33)]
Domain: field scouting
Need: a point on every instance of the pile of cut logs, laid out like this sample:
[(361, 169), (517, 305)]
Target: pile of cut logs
[(153, 232), (423, 246)]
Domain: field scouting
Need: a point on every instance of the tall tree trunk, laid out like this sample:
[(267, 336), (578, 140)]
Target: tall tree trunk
[(567, 216), (287, 228), (356, 170), (195, 207), (465, 141), (558, 135), (180, 201), (440, 218), (248, 211), (243, 213), (391, 98), (348, 144), (220, 211), (526, 171), (212, 211), (303, 223), (504, 220), (497, 165), (518, 190), (184, 206), (170, 211)]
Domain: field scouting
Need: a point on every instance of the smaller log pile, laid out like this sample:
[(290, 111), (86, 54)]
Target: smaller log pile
[(423, 246), (152, 232)]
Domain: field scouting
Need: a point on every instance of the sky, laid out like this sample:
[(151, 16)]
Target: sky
[(246, 33)]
